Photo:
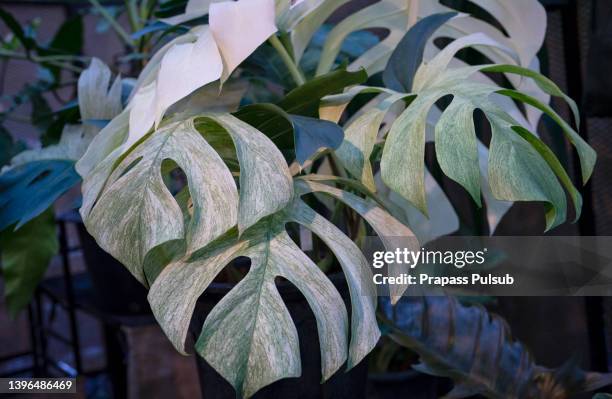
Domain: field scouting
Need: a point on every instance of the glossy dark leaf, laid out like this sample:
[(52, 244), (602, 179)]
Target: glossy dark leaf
[(170, 8), (305, 99), (476, 350), (25, 254), (408, 55), (309, 134), (68, 40), (69, 37), (29, 189)]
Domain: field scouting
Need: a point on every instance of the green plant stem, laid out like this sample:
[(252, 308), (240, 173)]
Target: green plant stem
[(294, 70), (146, 9), (51, 60), (133, 16), (113, 23)]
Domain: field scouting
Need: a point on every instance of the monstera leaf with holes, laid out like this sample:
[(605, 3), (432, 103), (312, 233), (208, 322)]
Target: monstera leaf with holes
[(240, 192), (249, 337), (520, 166)]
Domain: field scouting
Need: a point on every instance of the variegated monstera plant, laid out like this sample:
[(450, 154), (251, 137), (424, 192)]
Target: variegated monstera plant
[(265, 113)]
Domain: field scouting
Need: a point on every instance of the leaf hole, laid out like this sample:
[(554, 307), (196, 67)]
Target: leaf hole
[(476, 11), (177, 184), (43, 175), (234, 271)]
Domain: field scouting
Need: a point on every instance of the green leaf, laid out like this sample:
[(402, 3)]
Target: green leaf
[(475, 349), (304, 100), (547, 85), (312, 134), (408, 54), (69, 37), (25, 254), (556, 166), (586, 154), (309, 134), (249, 337), (29, 189)]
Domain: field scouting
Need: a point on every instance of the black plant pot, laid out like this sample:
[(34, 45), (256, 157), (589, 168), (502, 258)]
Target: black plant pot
[(342, 385), (114, 289), (405, 384)]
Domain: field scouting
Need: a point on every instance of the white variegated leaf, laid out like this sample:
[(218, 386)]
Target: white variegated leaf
[(203, 55), (360, 137), (266, 185), (136, 212), (239, 28), (194, 9), (521, 168), (386, 226), (185, 68), (249, 337), (440, 223), (520, 47), (97, 101)]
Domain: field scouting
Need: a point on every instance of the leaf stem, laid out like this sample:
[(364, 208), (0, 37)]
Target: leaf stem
[(113, 23), (294, 70), (55, 60), (133, 15)]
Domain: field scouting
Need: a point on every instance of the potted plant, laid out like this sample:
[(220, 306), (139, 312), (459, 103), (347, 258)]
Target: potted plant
[(200, 171)]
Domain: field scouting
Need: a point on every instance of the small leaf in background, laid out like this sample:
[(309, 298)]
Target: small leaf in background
[(29, 189), (41, 114), (8, 147), (305, 99), (68, 40), (602, 396), (408, 55), (25, 255), (150, 28), (69, 37), (170, 8), (102, 26)]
